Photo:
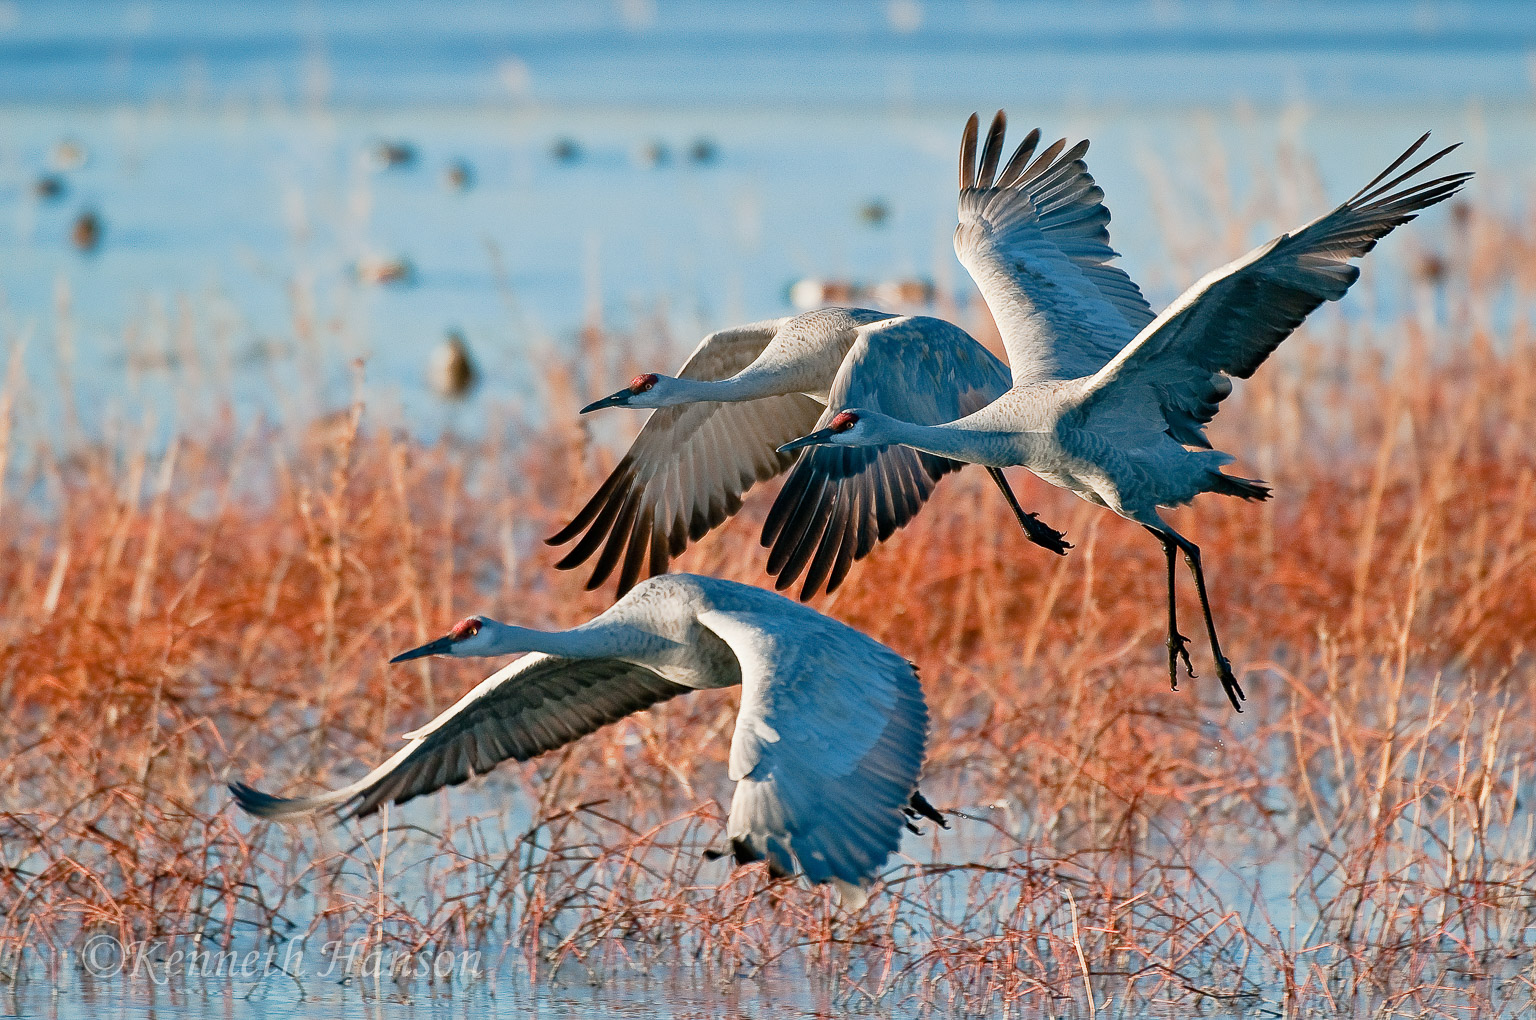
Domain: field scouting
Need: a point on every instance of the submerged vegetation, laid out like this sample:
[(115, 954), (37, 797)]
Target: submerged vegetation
[(222, 605)]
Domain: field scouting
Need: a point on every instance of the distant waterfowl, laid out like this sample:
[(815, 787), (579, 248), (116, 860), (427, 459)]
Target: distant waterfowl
[(654, 153), (85, 232), (1430, 268), (874, 213), (459, 176), (453, 372), (903, 293), (391, 155), (68, 154), (745, 391), (703, 150), (48, 187), (828, 745), (565, 150), (1108, 400), (812, 292), (384, 270)]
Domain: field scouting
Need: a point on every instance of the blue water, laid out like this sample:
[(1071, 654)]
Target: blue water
[(227, 156)]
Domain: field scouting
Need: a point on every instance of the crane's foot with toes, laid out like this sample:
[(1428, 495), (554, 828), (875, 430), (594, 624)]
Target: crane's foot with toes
[(1043, 535), (1229, 682), (1178, 648), (919, 807)]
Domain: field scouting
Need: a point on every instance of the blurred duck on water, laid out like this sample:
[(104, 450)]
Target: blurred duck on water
[(453, 373), (85, 232)]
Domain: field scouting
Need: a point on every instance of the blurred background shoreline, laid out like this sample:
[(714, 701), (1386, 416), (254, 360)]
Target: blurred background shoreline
[(664, 169)]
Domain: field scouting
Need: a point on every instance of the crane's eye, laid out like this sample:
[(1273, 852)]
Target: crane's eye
[(844, 421), (641, 383), (465, 629)]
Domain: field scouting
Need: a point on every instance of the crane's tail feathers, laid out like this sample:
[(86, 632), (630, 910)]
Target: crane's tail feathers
[(744, 850), (851, 896), (1242, 488)]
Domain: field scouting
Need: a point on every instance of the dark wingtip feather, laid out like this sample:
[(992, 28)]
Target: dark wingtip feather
[(968, 153), (1399, 161), (1020, 159), (790, 494), (992, 150), (253, 801), (1045, 158), (1406, 174), (640, 542), (619, 476), (833, 540), (618, 539), (613, 501)]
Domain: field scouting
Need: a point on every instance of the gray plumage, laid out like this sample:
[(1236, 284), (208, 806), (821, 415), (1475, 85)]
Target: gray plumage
[(828, 745), (1107, 400), (745, 392)]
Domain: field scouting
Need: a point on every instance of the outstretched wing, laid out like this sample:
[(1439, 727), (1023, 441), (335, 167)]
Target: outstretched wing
[(688, 468), (839, 501), (828, 746), (1036, 243), (1175, 373), (536, 704)]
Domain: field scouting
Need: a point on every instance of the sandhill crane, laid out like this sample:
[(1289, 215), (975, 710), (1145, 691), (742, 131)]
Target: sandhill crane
[(1113, 409), (745, 391), (828, 744)]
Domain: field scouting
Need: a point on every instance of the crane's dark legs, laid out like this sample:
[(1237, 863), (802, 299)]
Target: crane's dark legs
[(1223, 667), (1178, 644), (1036, 530)]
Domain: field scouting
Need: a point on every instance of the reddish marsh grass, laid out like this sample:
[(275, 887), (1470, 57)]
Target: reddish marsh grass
[(1361, 838)]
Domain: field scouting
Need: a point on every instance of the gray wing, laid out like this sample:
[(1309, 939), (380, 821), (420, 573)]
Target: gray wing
[(1173, 376), (536, 704), (839, 501), (689, 467), (1036, 243), (828, 746)]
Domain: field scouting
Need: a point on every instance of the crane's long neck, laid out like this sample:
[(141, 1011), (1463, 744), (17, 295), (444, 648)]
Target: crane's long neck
[(755, 381), (994, 449), (589, 641)]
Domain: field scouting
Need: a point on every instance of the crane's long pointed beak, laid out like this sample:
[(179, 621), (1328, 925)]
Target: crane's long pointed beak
[(820, 437), (618, 399), (438, 647)]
